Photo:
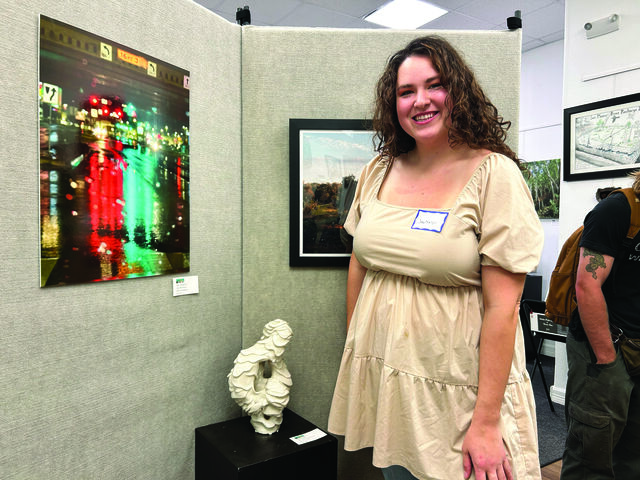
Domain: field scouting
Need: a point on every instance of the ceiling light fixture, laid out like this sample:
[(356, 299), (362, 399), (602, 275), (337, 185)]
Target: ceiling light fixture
[(405, 14)]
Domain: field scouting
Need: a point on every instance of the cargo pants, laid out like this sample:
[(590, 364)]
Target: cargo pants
[(602, 408)]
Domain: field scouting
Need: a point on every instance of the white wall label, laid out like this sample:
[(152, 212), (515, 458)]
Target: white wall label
[(185, 286)]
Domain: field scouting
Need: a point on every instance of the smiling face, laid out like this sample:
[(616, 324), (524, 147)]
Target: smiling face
[(420, 101)]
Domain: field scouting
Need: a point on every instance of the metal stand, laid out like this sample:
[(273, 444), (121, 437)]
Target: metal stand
[(537, 306)]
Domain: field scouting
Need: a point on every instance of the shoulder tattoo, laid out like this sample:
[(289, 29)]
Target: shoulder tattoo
[(596, 261)]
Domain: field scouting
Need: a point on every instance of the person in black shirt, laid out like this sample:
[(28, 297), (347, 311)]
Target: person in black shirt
[(602, 401)]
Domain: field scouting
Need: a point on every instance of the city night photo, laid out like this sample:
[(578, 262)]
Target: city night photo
[(114, 160)]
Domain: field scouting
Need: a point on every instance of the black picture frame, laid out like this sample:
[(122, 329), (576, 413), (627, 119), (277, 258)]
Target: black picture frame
[(326, 158), (602, 139)]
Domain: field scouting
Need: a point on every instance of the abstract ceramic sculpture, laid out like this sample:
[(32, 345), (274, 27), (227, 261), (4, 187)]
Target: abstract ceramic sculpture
[(259, 381)]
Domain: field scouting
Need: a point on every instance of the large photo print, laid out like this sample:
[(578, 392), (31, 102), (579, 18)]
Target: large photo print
[(114, 160)]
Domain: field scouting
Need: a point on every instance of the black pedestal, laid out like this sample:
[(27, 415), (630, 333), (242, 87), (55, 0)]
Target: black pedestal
[(232, 450)]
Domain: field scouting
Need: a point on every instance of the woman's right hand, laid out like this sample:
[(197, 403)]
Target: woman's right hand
[(484, 453)]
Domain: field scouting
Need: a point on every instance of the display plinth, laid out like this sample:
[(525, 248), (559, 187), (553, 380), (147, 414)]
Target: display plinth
[(232, 450)]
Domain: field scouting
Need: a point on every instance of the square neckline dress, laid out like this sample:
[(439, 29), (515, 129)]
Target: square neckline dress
[(408, 378)]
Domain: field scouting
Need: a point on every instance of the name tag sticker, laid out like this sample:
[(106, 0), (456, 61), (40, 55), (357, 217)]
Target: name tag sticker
[(430, 221)]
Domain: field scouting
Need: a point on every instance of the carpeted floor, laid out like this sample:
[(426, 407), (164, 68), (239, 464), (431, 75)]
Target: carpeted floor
[(552, 428)]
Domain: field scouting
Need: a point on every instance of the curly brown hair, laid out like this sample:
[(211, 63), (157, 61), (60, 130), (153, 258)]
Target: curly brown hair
[(474, 119)]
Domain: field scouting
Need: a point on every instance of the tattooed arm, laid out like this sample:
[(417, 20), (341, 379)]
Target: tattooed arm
[(593, 270)]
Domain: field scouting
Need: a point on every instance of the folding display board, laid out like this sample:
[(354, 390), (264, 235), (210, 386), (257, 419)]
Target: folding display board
[(104, 371)]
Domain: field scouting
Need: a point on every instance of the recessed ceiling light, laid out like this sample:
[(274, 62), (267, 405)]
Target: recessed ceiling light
[(405, 14)]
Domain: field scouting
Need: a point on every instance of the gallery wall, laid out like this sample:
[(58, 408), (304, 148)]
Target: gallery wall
[(615, 62), (541, 132), (599, 68), (109, 380), (322, 74)]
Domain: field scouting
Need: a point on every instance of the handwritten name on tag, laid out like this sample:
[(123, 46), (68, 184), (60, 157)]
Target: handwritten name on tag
[(430, 221)]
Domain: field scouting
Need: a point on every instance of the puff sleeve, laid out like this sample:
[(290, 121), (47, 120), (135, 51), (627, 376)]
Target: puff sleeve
[(511, 236)]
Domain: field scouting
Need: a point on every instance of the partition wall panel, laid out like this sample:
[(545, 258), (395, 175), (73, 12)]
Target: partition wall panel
[(109, 380), (322, 74)]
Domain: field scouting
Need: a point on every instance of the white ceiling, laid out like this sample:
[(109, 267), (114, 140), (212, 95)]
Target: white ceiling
[(542, 20)]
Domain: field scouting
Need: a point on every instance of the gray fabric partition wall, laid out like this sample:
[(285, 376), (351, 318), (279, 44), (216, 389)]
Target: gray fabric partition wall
[(109, 380), (323, 74)]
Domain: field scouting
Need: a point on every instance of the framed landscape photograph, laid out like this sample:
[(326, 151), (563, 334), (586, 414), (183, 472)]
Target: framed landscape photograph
[(326, 159), (543, 180), (602, 139)]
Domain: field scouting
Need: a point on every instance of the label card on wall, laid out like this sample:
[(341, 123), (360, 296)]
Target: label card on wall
[(185, 286)]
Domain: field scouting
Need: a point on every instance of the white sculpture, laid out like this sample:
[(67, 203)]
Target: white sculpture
[(259, 381)]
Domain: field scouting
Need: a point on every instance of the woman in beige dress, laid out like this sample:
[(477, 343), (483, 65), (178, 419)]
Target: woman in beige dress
[(433, 373)]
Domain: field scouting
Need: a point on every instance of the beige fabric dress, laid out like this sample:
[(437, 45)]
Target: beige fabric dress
[(408, 379)]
